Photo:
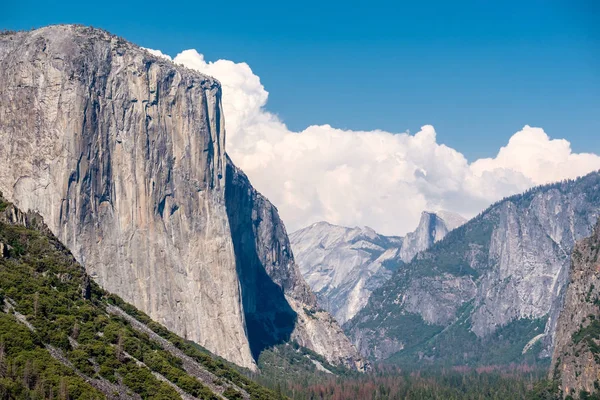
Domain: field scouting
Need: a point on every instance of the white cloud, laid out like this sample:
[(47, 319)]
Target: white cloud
[(157, 53), (375, 178)]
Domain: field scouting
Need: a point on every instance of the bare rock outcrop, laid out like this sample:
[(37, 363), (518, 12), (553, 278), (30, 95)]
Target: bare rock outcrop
[(432, 228), (123, 154), (502, 274), (576, 357), (343, 266), (273, 290)]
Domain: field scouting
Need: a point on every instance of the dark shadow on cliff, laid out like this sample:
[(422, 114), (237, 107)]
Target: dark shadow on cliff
[(269, 318)]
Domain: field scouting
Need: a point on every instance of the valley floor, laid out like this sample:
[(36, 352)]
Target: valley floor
[(393, 383)]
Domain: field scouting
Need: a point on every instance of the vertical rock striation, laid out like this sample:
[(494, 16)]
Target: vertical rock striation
[(576, 357), (343, 265), (432, 228), (123, 154), (500, 275), (273, 290)]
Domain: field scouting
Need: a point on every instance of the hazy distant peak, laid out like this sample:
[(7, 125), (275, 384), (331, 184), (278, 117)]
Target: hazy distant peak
[(452, 220)]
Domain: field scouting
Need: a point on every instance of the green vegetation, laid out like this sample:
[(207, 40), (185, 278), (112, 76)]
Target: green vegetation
[(217, 366), (288, 370), (293, 363), (452, 254), (27, 370), (589, 334), (427, 345), (457, 345), (545, 390), (42, 283), (3, 204), (464, 253), (392, 383), (45, 285)]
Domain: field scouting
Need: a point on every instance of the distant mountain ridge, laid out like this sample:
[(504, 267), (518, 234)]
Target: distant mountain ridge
[(432, 228), (344, 265), (491, 290)]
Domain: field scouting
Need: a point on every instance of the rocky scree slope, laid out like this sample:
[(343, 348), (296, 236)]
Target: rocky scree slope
[(343, 266), (123, 154), (576, 357), (62, 336), (491, 290)]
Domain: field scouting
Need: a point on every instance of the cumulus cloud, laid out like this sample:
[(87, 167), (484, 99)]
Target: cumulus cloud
[(157, 53), (375, 178)]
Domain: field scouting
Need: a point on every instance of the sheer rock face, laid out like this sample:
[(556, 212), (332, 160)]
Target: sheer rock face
[(123, 154), (343, 266), (273, 290), (575, 361), (508, 264), (432, 228), (529, 251)]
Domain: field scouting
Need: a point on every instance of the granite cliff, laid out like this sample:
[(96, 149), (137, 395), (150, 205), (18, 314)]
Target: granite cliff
[(432, 228), (576, 357), (278, 303), (85, 343), (491, 290), (123, 154)]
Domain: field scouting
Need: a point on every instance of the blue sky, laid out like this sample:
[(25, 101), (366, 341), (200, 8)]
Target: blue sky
[(476, 70)]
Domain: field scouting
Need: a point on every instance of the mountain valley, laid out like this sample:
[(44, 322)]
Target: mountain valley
[(490, 292), (138, 261), (123, 155), (343, 266)]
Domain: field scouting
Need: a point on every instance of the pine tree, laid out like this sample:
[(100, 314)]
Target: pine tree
[(63, 389), (36, 303), (75, 332), (119, 349), (27, 374), (3, 367), (280, 395)]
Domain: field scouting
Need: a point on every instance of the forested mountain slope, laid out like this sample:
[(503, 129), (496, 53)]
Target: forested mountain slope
[(62, 336), (491, 290)]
